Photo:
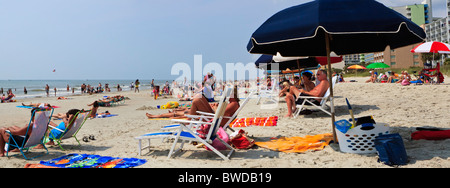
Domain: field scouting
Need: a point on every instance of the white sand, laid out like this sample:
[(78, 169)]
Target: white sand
[(402, 107)]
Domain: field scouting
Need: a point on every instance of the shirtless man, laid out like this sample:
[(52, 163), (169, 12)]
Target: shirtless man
[(318, 91)]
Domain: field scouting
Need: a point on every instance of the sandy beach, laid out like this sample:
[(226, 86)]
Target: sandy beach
[(403, 108)]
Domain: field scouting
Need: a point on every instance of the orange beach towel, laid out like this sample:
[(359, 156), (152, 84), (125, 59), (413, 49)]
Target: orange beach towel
[(255, 121), (298, 144)]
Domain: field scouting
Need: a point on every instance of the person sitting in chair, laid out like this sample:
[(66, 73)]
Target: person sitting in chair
[(318, 91), (15, 131), (65, 125)]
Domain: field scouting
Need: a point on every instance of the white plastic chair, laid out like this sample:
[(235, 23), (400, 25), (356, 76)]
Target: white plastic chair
[(269, 93)]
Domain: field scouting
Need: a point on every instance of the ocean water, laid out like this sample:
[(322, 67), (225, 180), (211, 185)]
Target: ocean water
[(36, 88)]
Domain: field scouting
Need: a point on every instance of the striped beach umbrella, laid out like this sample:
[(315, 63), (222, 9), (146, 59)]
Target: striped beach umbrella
[(432, 47)]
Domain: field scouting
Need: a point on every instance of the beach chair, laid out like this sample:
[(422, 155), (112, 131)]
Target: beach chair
[(78, 122), (241, 106), (187, 133), (38, 129), (323, 103), (269, 93)]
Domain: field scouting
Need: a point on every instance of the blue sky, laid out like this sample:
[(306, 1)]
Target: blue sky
[(130, 39)]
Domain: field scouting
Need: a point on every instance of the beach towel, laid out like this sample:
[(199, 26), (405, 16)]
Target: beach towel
[(256, 121), (431, 135), (75, 160), (105, 115), (298, 144)]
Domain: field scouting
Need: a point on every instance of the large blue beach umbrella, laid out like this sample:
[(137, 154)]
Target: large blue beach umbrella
[(343, 26)]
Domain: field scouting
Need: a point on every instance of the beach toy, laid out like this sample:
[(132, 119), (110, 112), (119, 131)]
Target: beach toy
[(163, 106), (351, 112), (172, 104), (343, 125), (158, 106)]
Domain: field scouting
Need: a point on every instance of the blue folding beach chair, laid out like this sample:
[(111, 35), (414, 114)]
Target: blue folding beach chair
[(38, 125)]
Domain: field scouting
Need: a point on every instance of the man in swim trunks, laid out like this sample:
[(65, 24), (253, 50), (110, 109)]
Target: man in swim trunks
[(318, 91)]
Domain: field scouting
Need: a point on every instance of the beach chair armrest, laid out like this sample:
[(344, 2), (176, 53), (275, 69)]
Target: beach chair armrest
[(56, 128), (10, 133), (309, 97), (189, 121), (198, 117), (205, 113)]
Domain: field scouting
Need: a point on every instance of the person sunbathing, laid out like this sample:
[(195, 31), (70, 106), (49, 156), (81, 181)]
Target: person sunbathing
[(16, 132), (65, 125), (201, 104), (8, 98), (94, 109), (318, 91), (392, 77), (38, 105), (373, 77)]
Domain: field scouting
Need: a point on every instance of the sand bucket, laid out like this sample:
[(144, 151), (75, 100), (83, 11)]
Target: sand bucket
[(357, 140)]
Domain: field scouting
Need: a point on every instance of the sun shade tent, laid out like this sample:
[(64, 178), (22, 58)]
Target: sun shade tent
[(343, 26)]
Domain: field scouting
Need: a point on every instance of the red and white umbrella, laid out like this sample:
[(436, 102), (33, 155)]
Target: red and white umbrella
[(432, 47)]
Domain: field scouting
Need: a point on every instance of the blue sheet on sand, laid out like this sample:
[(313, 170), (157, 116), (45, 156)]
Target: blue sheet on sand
[(75, 160)]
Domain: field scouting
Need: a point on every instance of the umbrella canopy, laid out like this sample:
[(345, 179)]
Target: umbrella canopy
[(377, 66), (356, 67), (355, 26), (343, 26), (432, 47)]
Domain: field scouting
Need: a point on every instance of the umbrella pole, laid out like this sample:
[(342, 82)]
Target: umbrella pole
[(330, 78)]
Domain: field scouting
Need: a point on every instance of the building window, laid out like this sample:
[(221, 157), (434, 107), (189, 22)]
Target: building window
[(392, 63)]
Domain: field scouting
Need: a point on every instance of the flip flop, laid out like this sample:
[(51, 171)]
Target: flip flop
[(91, 137), (85, 139)]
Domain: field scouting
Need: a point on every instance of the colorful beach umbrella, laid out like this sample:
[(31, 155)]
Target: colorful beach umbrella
[(432, 47), (356, 67), (377, 66), (343, 26)]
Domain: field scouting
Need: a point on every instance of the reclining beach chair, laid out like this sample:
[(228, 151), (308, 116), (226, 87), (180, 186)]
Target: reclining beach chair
[(323, 103), (77, 122), (38, 129), (227, 125), (270, 93), (187, 133)]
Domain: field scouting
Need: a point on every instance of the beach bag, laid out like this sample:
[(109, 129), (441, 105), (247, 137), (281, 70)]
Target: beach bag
[(391, 150), (240, 140), (216, 143), (405, 82)]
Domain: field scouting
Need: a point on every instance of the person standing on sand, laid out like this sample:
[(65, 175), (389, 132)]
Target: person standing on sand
[(136, 88), (47, 89)]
